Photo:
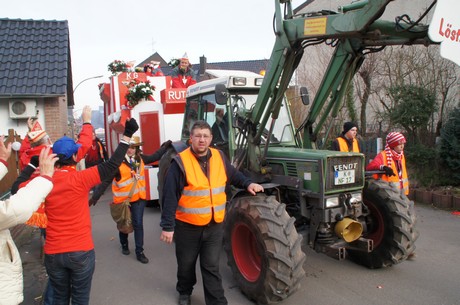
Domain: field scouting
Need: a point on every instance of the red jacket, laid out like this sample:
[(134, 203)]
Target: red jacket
[(26, 151), (69, 221), (39, 218), (177, 82), (399, 181)]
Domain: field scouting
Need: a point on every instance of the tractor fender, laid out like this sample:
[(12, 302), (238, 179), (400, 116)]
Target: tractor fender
[(242, 192)]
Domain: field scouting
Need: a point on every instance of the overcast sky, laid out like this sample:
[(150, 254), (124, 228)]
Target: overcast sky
[(102, 30)]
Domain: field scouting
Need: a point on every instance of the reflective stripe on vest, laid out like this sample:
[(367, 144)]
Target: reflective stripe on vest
[(101, 151), (202, 199), (125, 194), (402, 184), (201, 210), (127, 182), (121, 188), (343, 145), (215, 190)]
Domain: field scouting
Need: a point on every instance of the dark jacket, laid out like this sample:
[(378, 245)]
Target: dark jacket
[(175, 182)]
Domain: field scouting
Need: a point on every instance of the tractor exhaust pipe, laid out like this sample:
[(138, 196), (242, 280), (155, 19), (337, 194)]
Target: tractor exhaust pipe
[(348, 229)]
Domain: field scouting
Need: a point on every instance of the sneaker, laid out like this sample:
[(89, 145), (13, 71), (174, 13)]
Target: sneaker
[(125, 249), (184, 299), (141, 257)]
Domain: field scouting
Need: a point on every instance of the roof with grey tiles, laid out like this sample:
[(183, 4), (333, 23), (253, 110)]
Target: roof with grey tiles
[(34, 58)]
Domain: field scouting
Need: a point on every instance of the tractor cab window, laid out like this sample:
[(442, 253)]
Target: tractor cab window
[(191, 115), (282, 130), (208, 104), (215, 116), (220, 127)]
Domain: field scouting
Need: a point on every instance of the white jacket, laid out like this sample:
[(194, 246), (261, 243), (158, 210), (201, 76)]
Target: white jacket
[(15, 210)]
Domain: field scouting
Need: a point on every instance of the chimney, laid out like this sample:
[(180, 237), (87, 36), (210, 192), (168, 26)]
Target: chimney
[(203, 63)]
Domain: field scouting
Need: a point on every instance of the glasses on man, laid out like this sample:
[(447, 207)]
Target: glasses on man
[(202, 136)]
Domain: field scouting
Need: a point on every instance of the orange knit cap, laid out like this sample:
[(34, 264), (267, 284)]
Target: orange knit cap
[(395, 138), (37, 133)]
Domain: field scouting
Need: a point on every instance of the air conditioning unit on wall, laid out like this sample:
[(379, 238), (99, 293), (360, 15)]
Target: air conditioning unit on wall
[(23, 109)]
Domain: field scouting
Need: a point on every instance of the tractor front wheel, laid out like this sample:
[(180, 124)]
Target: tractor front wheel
[(263, 249), (390, 224)]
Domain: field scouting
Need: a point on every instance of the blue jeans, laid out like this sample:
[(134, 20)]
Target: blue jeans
[(204, 242), (71, 274), (49, 294), (137, 217)]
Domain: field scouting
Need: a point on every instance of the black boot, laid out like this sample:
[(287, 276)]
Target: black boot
[(141, 257), (184, 299), (125, 249)]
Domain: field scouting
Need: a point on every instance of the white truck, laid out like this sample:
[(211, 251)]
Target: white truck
[(159, 119)]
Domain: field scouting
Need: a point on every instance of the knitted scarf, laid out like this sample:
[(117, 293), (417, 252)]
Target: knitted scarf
[(392, 155)]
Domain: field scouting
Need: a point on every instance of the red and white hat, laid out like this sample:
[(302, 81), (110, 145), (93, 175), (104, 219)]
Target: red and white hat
[(37, 133), (185, 56), (394, 139)]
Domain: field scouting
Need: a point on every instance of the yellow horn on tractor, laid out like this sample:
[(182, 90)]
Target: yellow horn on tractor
[(349, 229)]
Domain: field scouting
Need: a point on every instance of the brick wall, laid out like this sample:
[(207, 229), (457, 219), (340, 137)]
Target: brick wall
[(56, 117)]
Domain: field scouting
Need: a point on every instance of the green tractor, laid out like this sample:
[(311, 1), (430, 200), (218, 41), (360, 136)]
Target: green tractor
[(323, 195)]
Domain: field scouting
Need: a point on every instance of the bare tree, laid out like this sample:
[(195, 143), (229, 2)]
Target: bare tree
[(395, 66), (363, 84), (417, 66), (309, 74), (446, 79)]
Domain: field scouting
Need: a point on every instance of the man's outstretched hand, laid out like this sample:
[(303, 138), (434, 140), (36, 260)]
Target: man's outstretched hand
[(47, 161)]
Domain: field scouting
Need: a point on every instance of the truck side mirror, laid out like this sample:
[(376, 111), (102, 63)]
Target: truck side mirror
[(304, 96), (221, 94)]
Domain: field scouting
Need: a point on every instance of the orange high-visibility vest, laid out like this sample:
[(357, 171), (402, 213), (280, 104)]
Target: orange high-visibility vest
[(101, 151), (202, 199), (121, 188), (402, 184), (343, 144)]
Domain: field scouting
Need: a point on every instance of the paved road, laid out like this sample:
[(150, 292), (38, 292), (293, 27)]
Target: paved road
[(433, 278)]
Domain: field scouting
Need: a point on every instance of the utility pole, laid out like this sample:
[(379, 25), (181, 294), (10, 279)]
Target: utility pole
[(70, 117)]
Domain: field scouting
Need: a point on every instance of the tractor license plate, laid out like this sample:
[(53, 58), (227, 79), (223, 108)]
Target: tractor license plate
[(344, 177)]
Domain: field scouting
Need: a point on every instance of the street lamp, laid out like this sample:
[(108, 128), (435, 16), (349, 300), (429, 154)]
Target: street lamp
[(99, 76), (70, 110)]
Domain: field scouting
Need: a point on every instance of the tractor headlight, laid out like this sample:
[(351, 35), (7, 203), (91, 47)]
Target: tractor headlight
[(258, 81), (239, 81), (357, 196), (332, 202)]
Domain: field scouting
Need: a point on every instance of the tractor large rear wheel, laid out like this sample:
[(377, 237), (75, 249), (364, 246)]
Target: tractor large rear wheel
[(391, 225), (263, 249)]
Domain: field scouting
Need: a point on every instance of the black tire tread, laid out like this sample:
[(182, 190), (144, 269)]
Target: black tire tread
[(282, 256), (400, 226)]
